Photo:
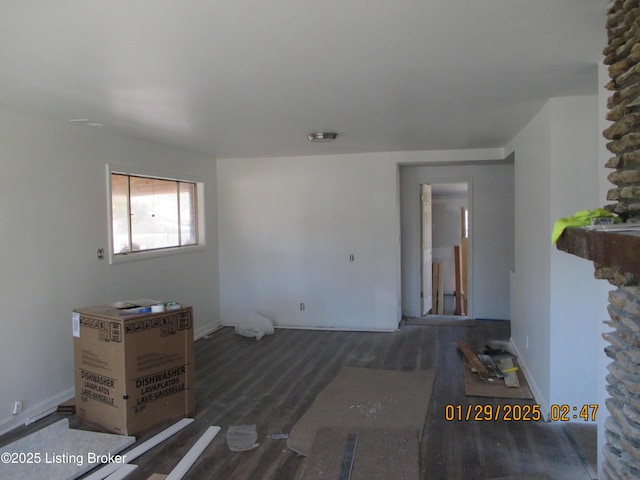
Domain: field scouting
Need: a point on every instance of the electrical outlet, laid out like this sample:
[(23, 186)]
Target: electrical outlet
[(17, 407), (302, 306)]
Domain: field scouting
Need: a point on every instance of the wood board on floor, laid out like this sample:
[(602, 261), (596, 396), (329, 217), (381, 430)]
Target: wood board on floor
[(474, 386), (379, 453)]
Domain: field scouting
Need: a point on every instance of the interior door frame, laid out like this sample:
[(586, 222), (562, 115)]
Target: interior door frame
[(469, 290), (426, 249)]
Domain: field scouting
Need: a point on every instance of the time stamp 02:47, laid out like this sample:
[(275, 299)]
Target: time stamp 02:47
[(518, 413)]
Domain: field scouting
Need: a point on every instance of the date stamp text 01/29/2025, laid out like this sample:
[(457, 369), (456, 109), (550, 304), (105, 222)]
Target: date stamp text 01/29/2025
[(518, 413)]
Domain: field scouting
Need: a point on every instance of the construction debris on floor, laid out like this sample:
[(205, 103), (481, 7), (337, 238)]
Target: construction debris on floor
[(241, 438), (493, 373), (255, 325)]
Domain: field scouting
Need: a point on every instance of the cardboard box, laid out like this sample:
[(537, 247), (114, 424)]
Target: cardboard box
[(133, 371)]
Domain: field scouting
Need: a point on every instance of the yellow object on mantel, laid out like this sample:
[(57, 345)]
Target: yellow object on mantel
[(580, 219)]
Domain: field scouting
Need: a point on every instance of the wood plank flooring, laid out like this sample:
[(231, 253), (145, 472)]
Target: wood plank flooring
[(272, 382)]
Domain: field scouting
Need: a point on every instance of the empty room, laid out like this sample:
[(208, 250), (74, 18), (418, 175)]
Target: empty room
[(249, 240)]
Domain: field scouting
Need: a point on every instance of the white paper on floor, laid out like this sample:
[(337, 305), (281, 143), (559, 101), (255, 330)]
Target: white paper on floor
[(58, 452)]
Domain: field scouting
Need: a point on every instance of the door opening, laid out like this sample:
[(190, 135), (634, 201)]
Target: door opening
[(444, 249)]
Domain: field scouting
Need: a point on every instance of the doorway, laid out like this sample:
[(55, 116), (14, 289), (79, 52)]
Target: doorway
[(444, 246)]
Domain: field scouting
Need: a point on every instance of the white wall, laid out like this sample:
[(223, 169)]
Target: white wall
[(574, 290), (288, 225), (530, 289), (491, 243), (555, 327), (287, 228), (53, 218)]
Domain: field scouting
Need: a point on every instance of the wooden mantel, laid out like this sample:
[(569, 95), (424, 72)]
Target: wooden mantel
[(619, 250)]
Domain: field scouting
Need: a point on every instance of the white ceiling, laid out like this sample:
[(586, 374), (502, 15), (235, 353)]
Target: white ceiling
[(250, 78)]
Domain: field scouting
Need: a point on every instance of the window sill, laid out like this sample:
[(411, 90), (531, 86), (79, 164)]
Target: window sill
[(148, 254)]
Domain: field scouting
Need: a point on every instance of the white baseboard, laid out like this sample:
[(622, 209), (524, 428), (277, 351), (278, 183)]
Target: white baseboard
[(337, 329), (545, 408), (331, 329), (38, 411), (206, 330)]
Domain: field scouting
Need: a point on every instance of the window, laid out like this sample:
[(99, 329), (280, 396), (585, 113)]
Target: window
[(152, 215)]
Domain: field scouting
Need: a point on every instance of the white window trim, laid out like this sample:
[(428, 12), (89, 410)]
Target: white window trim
[(164, 252)]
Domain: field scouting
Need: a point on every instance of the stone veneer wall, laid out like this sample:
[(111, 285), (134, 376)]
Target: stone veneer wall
[(622, 55)]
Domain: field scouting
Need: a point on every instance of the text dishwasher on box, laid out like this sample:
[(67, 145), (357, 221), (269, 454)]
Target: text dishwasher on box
[(133, 371)]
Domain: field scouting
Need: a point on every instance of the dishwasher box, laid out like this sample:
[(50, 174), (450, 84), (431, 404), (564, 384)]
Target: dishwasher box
[(134, 369)]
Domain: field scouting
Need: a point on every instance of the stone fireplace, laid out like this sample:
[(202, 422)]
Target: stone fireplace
[(616, 255)]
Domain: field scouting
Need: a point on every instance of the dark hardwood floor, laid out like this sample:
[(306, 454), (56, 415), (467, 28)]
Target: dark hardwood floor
[(272, 382)]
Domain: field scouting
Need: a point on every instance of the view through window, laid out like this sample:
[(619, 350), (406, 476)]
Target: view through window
[(152, 213)]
